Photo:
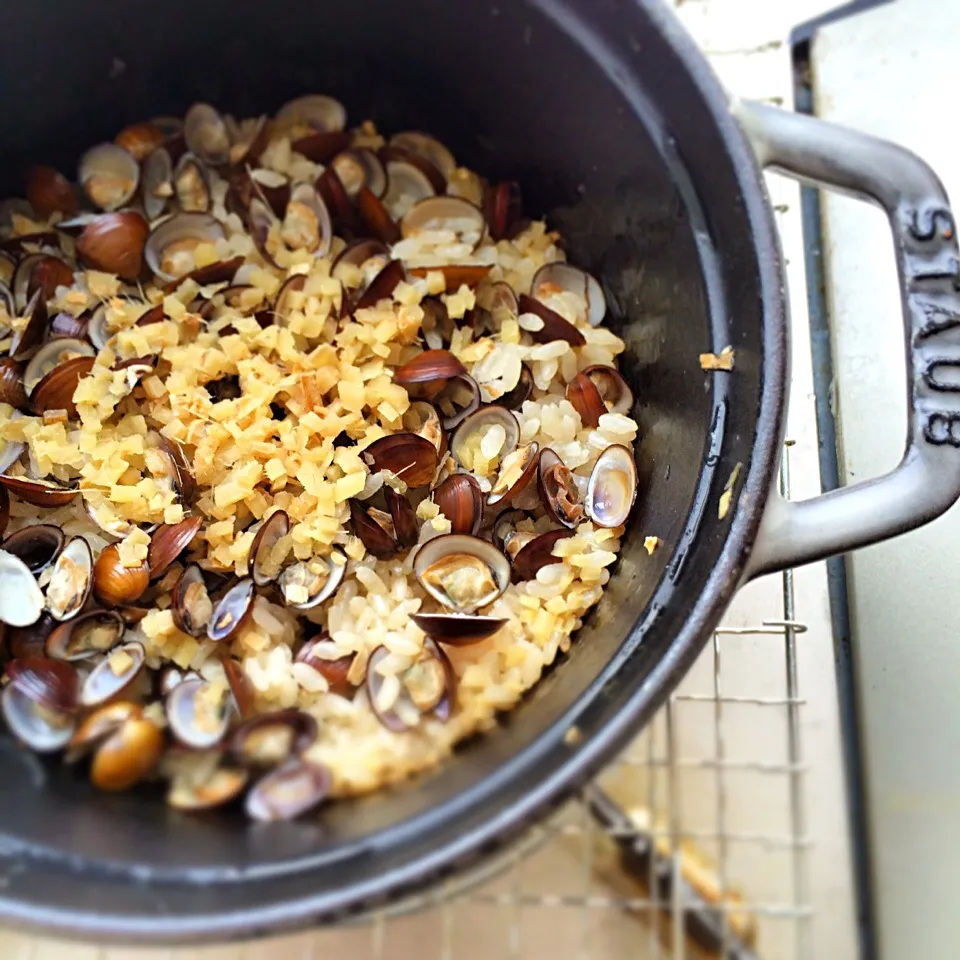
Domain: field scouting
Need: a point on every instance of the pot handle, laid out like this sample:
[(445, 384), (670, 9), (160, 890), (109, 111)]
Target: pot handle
[(927, 480)]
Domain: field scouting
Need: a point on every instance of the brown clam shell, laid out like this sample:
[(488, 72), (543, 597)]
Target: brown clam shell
[(51, 683), (381, 287), (28, 338), (457, 629), (585, 398), (456, 275), (168, 541), (48, 191), (430, 366), (127, 755), (114, 584), (39, 493), (11, 384), (404, 517), (411, 457), (554, 326), (378, 541), (536, 554), (335, 670), (322, 146), (55, 391), (240, 686), (114, 242), (376, 219), (289, 791), (140, 139), (460, 500)]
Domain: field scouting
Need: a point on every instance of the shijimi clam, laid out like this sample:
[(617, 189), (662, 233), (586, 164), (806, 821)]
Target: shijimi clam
[(314, 454)]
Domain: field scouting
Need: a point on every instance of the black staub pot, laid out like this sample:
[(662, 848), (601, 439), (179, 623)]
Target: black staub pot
[(621, 136)]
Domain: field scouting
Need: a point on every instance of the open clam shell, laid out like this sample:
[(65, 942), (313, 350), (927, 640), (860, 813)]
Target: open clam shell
[(406, 185), (381, 287), (207, 788), (269, 739), (206, 134), (612, 488), (100, 724), (27, 338), (55, 390), (422, 419), (51, 683), (612, 387), (306, 222), (400, 699), (37, 545), (428, 148), (560, 275), (314, 110), (109, 176), (192, 607), (232, 611), (157, 183), (51, 355), (170, 245), (308, 583), (461, 572), (360, 168), (85, 636), (41, 729), (198, 713), (271, 532), (289, 791), (191, 185), (458, 216), (489, 434), (114, 676), (517, 470), (71, 580)]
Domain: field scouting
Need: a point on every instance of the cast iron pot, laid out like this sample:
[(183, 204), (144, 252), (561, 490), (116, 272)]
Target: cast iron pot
[(610, 118)]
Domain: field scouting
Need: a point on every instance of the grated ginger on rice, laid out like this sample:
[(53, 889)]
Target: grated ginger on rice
[(269, 393)]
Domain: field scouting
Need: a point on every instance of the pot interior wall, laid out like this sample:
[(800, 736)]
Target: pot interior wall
[(513, 95)]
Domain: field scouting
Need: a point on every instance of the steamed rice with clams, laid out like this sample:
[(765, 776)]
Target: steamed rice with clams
[(328, 446)]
